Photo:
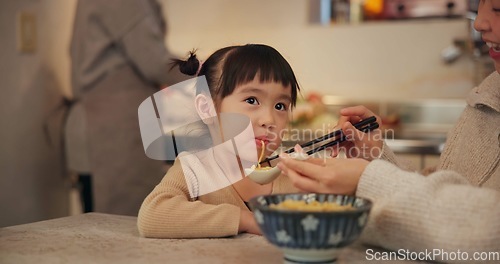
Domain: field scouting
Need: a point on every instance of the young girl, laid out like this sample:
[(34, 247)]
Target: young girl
[(251, 80)]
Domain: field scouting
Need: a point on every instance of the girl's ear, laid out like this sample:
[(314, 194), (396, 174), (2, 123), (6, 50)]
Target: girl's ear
[(205, 108)]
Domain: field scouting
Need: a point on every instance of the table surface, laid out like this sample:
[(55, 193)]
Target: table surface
[(105, 238)]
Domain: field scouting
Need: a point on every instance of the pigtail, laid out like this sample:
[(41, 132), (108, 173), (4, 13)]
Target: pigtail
[(191, 66)]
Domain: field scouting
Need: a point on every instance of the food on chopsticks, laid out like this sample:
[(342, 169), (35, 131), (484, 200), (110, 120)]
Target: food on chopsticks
[(262, 152), (314, 206), (299, 153)]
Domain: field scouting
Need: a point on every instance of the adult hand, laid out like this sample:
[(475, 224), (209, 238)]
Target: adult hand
[(368, 145), (331, 175)]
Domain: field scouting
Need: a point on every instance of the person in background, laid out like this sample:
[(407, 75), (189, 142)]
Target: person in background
[(253, 80), (118, 59), (456, 208)]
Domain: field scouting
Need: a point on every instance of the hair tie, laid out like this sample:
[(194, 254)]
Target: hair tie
[(199, 67)]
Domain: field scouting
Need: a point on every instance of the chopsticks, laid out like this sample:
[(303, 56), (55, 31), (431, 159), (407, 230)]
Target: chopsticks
[(364, 125)]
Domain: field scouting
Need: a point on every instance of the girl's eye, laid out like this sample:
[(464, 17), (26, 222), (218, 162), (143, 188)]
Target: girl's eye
[(280, 107), (252, 100), (495, 5)]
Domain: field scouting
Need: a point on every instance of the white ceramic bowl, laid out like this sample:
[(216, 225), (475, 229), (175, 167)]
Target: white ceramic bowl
[(267, 175)]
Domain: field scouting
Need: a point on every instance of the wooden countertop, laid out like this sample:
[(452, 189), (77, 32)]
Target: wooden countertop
[(104, 238)]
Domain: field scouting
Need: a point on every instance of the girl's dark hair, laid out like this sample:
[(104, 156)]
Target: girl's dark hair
[(235, 65), (189, 66)]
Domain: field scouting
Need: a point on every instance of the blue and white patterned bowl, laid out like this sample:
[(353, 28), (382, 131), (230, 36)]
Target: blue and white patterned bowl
[(305, 236)]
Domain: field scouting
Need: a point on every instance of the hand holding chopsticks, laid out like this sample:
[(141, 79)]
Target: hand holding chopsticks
[(365, 126)]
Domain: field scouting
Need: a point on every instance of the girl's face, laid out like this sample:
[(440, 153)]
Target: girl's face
[(488, 23), (267, 105)]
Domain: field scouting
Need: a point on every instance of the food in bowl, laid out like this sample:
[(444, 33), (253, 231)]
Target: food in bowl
[(253, 167), (313, 206), (260, 174), (307, 236), (265, 175)]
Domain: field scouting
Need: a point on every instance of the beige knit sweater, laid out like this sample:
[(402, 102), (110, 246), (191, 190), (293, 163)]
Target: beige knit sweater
[(169, 212), (455, 208)]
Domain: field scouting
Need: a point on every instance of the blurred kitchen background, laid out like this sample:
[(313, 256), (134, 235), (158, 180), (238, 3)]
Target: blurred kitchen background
[(413, 62)]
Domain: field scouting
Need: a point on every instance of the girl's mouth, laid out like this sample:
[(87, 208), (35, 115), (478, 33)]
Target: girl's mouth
[(494, 50), (494, 46), (259, 141)]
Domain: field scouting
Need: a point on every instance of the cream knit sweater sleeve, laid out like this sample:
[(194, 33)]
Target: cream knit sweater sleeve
[(167, 211), (440, 211), (388, 155)]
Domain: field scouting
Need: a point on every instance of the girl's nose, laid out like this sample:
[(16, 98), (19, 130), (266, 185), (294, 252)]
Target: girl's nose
[(481, 23), (266, 119)]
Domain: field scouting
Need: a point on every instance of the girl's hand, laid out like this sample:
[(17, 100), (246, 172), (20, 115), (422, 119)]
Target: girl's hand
[(340, 176), (368, 145), (248, 223)]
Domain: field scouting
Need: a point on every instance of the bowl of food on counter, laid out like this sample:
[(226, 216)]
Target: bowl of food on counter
[(310, 227)]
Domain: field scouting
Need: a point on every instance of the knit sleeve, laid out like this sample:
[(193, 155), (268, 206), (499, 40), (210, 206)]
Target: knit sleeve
[(168, 212), (440, 211), (388, 155)]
